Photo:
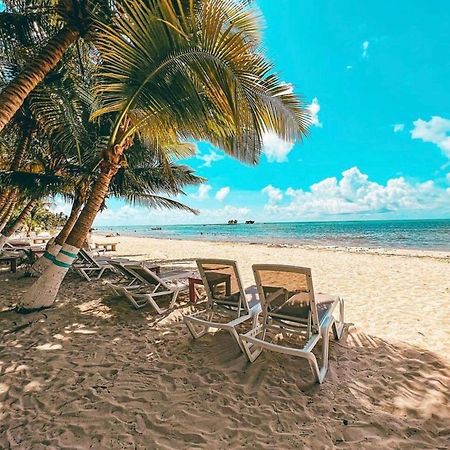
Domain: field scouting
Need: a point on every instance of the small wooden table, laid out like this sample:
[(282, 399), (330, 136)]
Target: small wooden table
[(108, 246), (12, 260), (41, 239), (214, 279)]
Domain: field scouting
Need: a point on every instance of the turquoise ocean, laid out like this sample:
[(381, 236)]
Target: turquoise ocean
[(392, 234)]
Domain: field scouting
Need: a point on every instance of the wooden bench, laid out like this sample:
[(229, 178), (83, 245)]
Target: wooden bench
[(107, 246)]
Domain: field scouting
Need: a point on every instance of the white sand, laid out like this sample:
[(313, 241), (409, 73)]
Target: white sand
[(95, 373)]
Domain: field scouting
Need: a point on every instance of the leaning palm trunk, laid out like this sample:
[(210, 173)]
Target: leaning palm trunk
[(7, 211), (43, 292), (53, 249), (12, 97), (17, 223), (3, 199)]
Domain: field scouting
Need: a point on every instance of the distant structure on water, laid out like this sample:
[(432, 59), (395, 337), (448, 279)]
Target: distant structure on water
[(249, 222), (232, 222)]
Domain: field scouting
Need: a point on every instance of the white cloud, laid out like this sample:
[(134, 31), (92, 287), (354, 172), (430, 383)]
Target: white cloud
[(436, 130), (275, 195), (203, 192), (289, 88), (209, 158), (275, 148), (447, 177), (314, 108), (354, 193), (399, 127), (226, 213), (222, 193), (59, 205), (365, 47)]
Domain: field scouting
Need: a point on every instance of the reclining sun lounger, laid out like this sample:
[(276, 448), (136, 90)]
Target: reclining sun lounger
[(149, 288), (290, 306), (225, 297), (88, 267)]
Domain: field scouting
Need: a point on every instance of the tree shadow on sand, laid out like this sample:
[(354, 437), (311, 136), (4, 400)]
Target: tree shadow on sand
[(141, 379)]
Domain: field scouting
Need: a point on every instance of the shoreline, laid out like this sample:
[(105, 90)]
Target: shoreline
[(405, 252)]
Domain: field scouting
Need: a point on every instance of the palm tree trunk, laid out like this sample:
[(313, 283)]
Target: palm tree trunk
[(53, 249), (68, 226), (17, 223), (7, 211), (3, 199), (43, 292), (12, 97)]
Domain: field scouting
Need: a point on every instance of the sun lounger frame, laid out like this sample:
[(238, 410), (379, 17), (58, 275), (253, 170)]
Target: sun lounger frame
[(139, 299), (198, 326), (86, 266), (254, 342)]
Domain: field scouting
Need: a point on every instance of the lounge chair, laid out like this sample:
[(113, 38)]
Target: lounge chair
[(129, 278), (290, 306), (225, 297), (87, 267), (148, 288)]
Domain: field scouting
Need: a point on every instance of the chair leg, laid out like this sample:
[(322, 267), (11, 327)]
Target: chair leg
[(249, 349), (174, 298), (338, 327), (202, 329), (235, 336)]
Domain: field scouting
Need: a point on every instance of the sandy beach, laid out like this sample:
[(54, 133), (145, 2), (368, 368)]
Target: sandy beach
[(93, 372)]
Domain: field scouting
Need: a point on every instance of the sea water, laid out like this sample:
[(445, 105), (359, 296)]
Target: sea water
[(400, 234)]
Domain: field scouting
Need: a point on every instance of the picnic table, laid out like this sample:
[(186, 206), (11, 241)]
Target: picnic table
[(12, 260), (214, 278), (107, 246)]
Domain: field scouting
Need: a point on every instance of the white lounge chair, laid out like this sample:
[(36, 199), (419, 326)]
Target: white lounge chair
[(225, 297), (88, 267), (150, 288), (290, 306)]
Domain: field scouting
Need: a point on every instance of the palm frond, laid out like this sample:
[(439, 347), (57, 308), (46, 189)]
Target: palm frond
[(156, 201)]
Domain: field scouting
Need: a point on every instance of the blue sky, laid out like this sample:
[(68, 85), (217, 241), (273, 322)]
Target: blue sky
[(376, 74)]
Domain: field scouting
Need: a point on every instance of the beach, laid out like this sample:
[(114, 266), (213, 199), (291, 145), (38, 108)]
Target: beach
[(93, 372)]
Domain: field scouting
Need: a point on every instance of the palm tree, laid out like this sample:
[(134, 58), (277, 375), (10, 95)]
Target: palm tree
[(33, 187), (141, 182), (51, 27), (171, 71), (17, 223)]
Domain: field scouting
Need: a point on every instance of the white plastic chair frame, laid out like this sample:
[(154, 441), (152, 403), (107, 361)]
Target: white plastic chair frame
[(154, 286), (254, 342), (198, 326), (86, 266)]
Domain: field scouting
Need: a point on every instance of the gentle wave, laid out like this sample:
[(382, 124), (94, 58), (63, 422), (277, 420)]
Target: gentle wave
[(399, 234)]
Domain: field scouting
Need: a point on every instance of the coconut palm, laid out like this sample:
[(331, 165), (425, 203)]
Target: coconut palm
[(46, 29), (179, 71), (33, 187)]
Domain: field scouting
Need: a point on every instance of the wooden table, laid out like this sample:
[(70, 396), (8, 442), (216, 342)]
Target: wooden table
[(12, 260), (108, 246), (214, 278), (41, 239)]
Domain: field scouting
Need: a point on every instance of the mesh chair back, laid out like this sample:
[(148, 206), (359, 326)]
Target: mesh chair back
[(84, 258), (286, 292), (145, 274), (222, 283)]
